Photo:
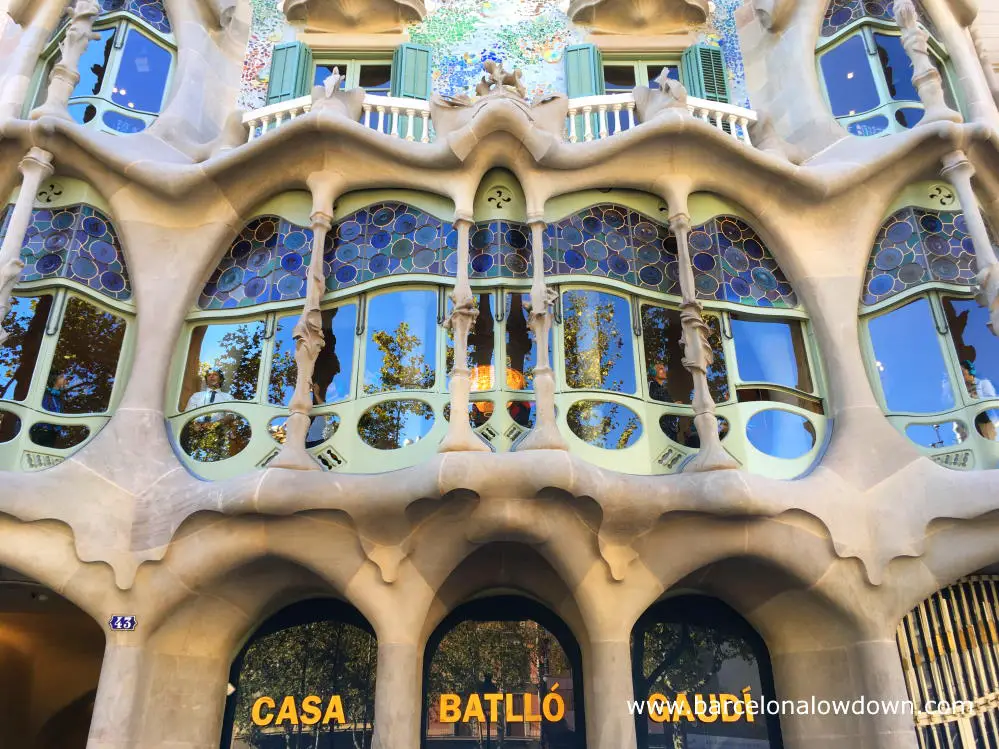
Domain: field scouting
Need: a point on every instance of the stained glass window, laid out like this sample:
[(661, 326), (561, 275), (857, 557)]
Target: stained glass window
[(77, 243), (841, 13), (150, 11), (500, 249), (915, 246)]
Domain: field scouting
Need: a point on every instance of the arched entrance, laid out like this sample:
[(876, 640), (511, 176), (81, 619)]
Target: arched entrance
[(304, 680), (50, 661), (699, 646), (510, 646)]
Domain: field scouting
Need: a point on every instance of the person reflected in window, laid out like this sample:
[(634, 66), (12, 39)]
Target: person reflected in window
[(52, 399), (213, 393), (317, 427), (657, 383), (978, 387)]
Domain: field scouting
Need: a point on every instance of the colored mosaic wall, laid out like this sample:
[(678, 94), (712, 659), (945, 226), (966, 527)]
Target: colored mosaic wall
[(916, 246), (528, 34), (77, 243)]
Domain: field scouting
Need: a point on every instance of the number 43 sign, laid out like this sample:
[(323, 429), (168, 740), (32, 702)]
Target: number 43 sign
[(122, 623)]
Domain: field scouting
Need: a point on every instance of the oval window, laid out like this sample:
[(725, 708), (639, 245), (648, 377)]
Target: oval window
[(944, 434), (603, 424), (216, 436), (683, 431), (781, 434), (321, 428), (390, 425), (478, 412), (58, 436), (987, 424), (10, 426), (522, 412)]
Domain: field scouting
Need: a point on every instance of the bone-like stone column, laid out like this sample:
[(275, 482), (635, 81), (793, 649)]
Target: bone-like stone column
[(119, 701), (925, 77), (544, 435), (460, 436), (983, 58), (957, 170), (398, 698), (66, 73), (609, 723), (19, 66), (34, 167), (697, 357), (309, 339)]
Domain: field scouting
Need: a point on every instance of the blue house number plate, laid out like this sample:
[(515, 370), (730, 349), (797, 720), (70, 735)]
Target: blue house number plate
[(122, 623)]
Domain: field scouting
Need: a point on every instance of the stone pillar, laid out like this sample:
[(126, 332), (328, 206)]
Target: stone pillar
[(35, 167), (957, 169), (697, 357), (460, 436), (118, 707), (19, 65), (398, 695), (66, 74), (983, 58), (544, 435), (925, 77), (608, 683), (15, 694), (309, 341), (882, 678)]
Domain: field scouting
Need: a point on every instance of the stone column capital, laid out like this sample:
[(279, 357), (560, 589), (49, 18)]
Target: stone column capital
[(536, 218), (321, 220), (463, 217), (679, 222), (37, 163), (957, 164)]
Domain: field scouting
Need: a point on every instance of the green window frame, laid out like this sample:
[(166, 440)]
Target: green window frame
[(644, 69), (352, 68)]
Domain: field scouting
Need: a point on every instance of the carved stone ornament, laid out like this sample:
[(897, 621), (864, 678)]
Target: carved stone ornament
[(66, 74), (639, 16), (671, 96), (357, 16), (331, 98), (925, 77), (773, 14)]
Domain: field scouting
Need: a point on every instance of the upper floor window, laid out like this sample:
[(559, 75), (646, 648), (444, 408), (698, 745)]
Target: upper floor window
[(374, 76), (623, 75), (866, 73), (125, 72)]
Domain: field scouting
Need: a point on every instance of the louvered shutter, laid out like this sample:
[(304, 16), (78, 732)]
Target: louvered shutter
[(584, 76), (704, 73), (291, 72)]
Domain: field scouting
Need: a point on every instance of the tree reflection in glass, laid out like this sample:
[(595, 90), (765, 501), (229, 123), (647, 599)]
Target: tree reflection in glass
[(669, 381), (333, 365), (392, 424), (233, 349), (596, 330), (25, 324), (610, 426), (215, 436), (402, 342), (909, 360), (86, 355)]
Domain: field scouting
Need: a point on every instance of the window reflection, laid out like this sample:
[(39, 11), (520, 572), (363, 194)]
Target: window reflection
[(216, 436), (391, 425), (481, 342), (781, 434), (896, 66), (909, 360), (619, 78), (945, 434), (402, 341), (683, 430), (611, 426), (94, 64), (522, 412), (596, 331), (223, 363), (987, 424), (25, 324), (976, 347), (333, 365), (669, 381), (83, 368), (142, 74), (848, 78), (771, 351), (58, 436), (10, 426), (521, 351)]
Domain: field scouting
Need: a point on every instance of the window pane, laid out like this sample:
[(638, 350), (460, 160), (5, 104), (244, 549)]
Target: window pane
[(333, 366), (86, 358), (142, 74), (610, 426), (26, 325), (771, 352), (480, 347), (94, 64), (619, 77), (654, 71), (781, 434), (977, 348), (401, 351), (391, 425), (669, 381), (521, 353), (897, 67), (596, 330), (326, 69), (222, 364), (216, 436), (376, 79), (849, 79), (909, 360)]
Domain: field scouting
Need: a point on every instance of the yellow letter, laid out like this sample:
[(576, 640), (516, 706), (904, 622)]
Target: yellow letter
[(287, 712), (334, 711), (553, 699), (450, 711), (530, 717), (258, 719), (511, 716), (493, 700), (657, 708), (750, 718), (310, 710), (474, 709), (682, 709), (731, 708)]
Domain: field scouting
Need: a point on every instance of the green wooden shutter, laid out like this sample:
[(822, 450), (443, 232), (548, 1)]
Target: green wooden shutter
[(704, 75), (292, 72), (411, 72), (584, 71)]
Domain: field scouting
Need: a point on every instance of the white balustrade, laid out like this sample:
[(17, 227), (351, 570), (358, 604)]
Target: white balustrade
[(590, 117)]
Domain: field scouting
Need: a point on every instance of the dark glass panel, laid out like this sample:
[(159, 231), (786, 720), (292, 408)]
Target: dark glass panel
[(25, 324), (521, 351), (321, 428), (215, 436), (333, 365), (781, 434), (142, 74), (683, 430), (10, 425), (909, 117), (394, 424), (94, 64), (479, 412), (896, 66), (522, 412), (376, 79), (944, 434), (611, 426), (771, 351), (86, 360), (596, 330), (58, 436), (654, 71), (619, 78), (987, 424), (668, 380), (848, 77), (748, 395), (909, 361), (400, 353), (976, 347), (325, 70), (231, 350), (481, 345)]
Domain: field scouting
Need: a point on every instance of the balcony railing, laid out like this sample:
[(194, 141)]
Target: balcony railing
[(590, 118)]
